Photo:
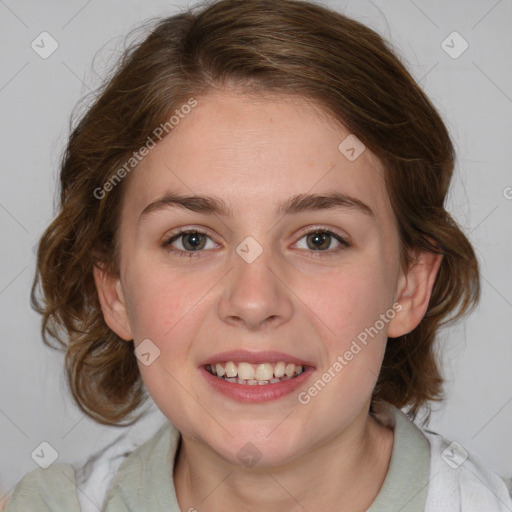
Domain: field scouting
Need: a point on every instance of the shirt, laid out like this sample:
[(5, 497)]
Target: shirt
[(426, 473)]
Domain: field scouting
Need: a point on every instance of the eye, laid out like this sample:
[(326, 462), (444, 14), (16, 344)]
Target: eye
[(190, 240), (319, 239)]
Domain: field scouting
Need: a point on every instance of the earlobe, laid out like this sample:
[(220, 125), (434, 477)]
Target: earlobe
[(112, 301), (413, 293)]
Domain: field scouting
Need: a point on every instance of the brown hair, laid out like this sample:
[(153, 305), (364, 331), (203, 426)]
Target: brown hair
[(263, 46)]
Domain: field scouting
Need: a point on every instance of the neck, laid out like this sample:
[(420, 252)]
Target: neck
[(344, 474)]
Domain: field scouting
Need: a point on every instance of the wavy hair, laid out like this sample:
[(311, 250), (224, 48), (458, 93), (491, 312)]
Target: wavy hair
[(265, 47)]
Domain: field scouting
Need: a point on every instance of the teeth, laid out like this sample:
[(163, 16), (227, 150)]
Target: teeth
[(261, 374), (220, 369), (264, 371), (231, 370), (246, 371), (279, 370)]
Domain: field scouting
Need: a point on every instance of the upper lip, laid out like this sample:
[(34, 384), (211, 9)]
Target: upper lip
[(265, 356)]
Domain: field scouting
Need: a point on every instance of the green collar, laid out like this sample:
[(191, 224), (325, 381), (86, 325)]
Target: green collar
[(145, 479)]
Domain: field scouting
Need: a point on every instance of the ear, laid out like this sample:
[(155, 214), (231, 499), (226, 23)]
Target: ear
[(413, 293), (111, 297)]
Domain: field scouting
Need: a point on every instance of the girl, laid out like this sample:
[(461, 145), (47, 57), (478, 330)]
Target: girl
[(252, 230)]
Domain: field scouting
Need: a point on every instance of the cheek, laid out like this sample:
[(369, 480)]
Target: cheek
[(348, 299), (346, 307), (167, 309), (162, 299)]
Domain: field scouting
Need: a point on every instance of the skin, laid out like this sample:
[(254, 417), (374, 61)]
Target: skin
[(254, 153)]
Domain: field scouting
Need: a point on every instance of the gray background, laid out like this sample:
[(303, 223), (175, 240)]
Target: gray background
[(473, 93)]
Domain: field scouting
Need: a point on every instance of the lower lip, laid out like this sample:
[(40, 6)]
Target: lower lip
[(259, 392)]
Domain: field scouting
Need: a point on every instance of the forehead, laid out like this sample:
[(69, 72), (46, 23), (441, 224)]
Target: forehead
[(256, 153)]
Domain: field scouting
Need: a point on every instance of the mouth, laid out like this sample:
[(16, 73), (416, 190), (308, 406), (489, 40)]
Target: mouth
[(255, 377), (249, 374)]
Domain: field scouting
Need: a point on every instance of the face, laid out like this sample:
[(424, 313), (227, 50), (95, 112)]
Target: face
[(270, 280)]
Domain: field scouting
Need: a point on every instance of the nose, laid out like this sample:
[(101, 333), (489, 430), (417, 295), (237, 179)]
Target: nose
[(255, 294)]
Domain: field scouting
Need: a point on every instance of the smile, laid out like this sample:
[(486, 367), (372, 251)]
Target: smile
[(254, 374)]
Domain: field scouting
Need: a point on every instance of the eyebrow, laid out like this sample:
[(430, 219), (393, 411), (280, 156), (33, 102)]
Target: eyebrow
[(293, 205)]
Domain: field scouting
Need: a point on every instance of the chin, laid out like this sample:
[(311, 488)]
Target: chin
[(256, 449)]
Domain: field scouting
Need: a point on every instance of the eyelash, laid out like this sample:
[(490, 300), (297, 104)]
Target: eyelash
[(344, 244)]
